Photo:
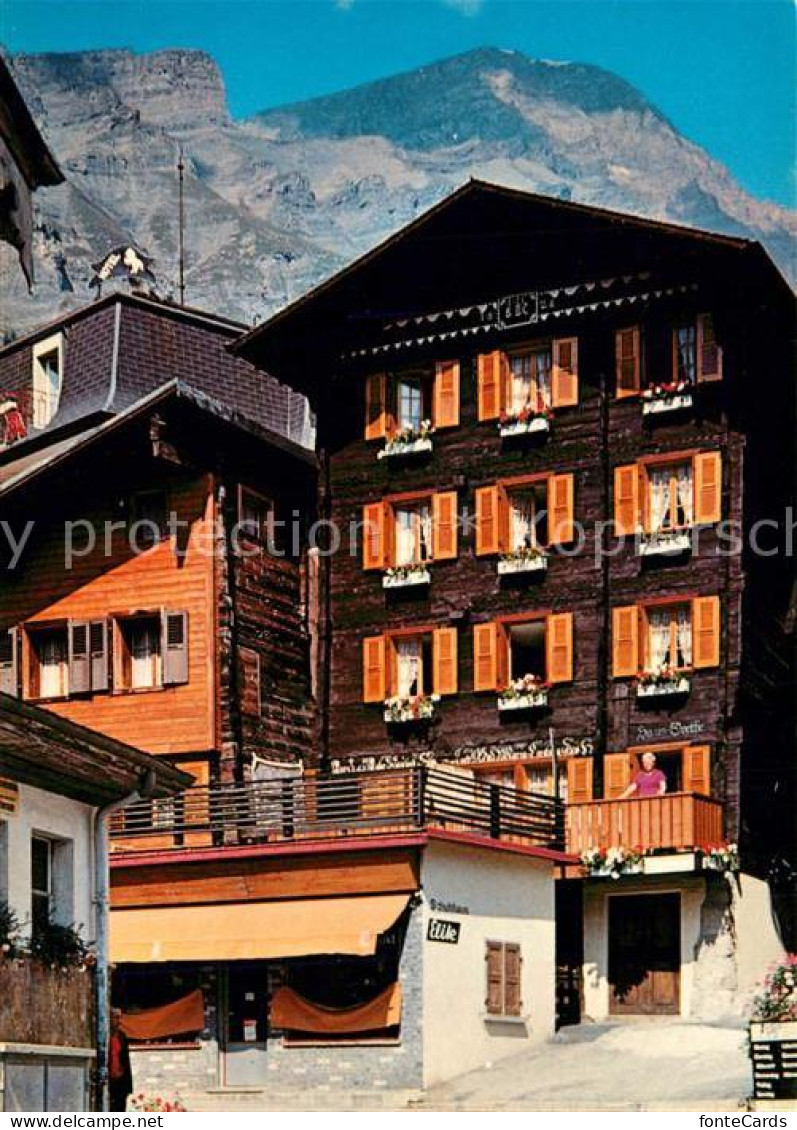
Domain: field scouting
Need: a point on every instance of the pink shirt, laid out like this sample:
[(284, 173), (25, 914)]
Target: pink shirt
[(649, 784)]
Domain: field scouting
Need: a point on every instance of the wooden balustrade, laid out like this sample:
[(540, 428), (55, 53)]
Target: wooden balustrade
[(676, 821)]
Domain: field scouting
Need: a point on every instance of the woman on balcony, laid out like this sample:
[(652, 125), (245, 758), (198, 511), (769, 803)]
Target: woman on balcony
[(648, 781)]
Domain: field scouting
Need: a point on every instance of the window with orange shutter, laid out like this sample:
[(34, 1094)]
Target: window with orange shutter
[(628, 361)]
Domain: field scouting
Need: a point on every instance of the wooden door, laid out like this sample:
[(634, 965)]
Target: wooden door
[(645, 955)]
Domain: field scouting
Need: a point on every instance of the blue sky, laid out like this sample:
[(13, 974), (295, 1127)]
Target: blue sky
[(723, 71)]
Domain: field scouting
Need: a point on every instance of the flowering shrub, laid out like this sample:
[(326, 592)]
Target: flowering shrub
[(777, 1001), (665, 391), (410, 708), (407, 436), (722, 857), (663, 676), (615, 860), (156, 1103), (525, 686)]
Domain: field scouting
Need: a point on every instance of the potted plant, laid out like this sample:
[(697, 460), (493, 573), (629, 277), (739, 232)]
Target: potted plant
[(525, 693), (720, 857), (525, 420), (612, 862), (409, 441), (773, 1032), (402, 709), (662, 681)]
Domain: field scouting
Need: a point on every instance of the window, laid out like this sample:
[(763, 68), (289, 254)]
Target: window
[(47, 379), (670, 497), (680, 635), (629, 366), (410, 664), (410, 530), (48, 668), (41, 881), (507, 650), (684, 347), (151, 650), (696, 353), (527, 517), (504, 965), (255, 514), (662, 494), (537, 377), (686, 768), (149, 517), (63, 660), (402, 401), (517, 514)]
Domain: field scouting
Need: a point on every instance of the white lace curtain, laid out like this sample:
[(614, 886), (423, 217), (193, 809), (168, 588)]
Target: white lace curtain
[(409, 668), (660, 638), (52, 666), (671, 497), (684, 637), (523, 517), (413, 536), (144, 649), (659, 499), (531, 381)]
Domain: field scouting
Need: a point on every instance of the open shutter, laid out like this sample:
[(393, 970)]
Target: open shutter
[(375, 518), (697, 769), (9, 662), (564, 378), (444, 660), (708, 488), (560, 509), (626, 500), (487, 520), (175, 648), (485, 657), (513, 966), (579, 780), (616, 774), (628, 361), (446, 394), (625, 641), (709, 353), (559, 647), (494, 963), (79, 660), (376, 406), (491, 371), (374, 681), (444, 525), (98, 651), (706, 631)]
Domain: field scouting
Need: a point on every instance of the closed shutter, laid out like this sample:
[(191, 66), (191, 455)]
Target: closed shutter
[(9, 662), (487, 520), (376, 406), (697, 769), (559, 647), (444, 525), (491, 372), (375, 517), (485, 658), (616, 774), (708, 488), (513, 966), (494, 964), (98, 650), (446, 394), (560, 509), (628, 361), (626, 500), (79, 660), (709, 353), (564, 379), (444, 660), (374, 681), (175, 648), (706, 631), (579, 780), (625, 641)]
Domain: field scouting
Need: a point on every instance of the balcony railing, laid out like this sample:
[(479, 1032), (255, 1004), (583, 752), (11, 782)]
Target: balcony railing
[(674, 821), (356, 804)]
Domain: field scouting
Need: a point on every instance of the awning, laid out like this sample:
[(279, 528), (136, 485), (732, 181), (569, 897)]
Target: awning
[(246, 931), (294, 1013), (184, 1015)]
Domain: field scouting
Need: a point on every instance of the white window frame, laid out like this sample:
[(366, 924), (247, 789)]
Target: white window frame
[(45, 403)]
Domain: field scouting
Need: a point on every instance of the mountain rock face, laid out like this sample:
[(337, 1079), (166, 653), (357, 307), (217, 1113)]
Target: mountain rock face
[(277, 202)]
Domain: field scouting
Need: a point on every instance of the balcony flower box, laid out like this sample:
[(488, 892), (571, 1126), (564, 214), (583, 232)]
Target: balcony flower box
[(673, 397), (409, 441), (720, 857), (659, 684), (665, 543), (401, 711), (406, 576), (773, 1032), (528, 693), (522, 561), (612, 863), (525, 422)]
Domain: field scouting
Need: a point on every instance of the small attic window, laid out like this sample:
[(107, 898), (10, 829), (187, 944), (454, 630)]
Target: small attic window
[(47, 378)]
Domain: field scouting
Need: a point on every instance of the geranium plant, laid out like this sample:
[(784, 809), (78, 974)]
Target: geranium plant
[(722, 857), (157, 1103), (615, 860), (525, 686), (666, 390), (526, 415), (410, 708), (405, 437), (777, 1001), (661, 677), (524, 553)]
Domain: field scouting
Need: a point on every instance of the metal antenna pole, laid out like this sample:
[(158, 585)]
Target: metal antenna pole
[(181, 227)]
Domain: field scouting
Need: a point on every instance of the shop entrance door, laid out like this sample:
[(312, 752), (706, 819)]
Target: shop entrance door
[(245, 1012), (645, 955)]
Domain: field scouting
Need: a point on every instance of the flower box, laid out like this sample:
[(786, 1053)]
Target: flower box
[(662, 687), (665, 543), (604, 871), (720, 857), (395, 447), (666, 398), (670, 863), (611, 863), (522, 563), (406, 577), (403, 711), (532, 701), (509, 428)]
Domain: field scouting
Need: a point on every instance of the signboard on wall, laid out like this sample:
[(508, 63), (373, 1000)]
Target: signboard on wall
[(666, 732), (443, 930)]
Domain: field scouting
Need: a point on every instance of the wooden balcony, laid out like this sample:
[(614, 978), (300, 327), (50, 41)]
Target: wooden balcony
[(673, 822), (388, 802)]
